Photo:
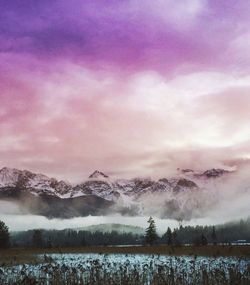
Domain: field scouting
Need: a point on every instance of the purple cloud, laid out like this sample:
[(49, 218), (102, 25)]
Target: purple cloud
[(135, 35)]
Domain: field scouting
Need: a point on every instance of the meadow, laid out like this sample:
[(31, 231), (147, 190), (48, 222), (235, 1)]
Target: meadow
[(156, 265)]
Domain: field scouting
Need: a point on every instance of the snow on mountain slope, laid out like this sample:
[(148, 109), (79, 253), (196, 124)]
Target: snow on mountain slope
[(99, 188), (99, 184), (175, 197), (34, 183), (9, 177)]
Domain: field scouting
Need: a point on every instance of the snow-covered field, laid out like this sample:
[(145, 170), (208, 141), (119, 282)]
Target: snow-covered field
[(128, 269)]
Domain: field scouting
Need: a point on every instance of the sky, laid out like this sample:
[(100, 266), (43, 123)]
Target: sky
[(128, 87)]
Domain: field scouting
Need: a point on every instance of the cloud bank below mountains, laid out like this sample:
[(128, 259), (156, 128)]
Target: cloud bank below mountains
[(220, 200)]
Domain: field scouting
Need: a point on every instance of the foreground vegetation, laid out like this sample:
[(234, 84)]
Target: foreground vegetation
[(128, 270), (76, 257), (14, 256)]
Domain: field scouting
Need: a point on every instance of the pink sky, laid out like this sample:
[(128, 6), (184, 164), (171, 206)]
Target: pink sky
[(129, 87)]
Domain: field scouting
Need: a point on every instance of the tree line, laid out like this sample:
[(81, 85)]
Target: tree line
[(72, 238), (198, 235)]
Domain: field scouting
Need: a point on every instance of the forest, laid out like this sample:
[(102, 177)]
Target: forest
[(229, 233)]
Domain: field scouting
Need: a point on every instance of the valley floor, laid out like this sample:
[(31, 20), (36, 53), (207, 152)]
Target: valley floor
[(30, 255)]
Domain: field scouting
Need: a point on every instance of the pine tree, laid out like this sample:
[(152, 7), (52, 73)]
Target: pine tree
[(4, 235), (151, 235), (169, 236), (174, 237), (83, 241), (203, 240), (49, 242), (214, 236), (37, 238)]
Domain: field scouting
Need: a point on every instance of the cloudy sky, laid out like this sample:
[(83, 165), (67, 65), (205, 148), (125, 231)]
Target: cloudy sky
[(129, 87)]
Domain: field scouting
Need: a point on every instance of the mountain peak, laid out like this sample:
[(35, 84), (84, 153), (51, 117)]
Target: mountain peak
[(7, 169), (98, 175), (187, 170), (8, 176), (214, 172)]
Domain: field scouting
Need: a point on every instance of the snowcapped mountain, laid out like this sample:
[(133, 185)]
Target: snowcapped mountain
[(35, 183), (98, 175), (214, 173), (173, 195), (9, 177), (97, 184)]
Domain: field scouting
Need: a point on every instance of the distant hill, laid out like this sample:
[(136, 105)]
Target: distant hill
[(108, 228)]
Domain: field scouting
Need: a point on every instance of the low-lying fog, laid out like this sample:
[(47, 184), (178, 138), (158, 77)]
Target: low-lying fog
[(17, 222), (232, 198), (26, 222)]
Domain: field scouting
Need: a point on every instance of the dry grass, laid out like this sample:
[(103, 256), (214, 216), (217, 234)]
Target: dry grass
[(108, 269), (219, 250), (18, 256), (29, 255)]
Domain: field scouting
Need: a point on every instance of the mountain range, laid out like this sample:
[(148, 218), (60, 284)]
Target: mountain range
[(181, 197)]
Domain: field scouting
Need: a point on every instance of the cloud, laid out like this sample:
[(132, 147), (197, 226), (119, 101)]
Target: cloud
[(10, 208), (132, 87), (217, 201), (69, 120), (228, 114), (128, 36)]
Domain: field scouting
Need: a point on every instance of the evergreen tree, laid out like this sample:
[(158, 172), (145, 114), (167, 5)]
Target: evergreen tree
[(4, 235), (169, 236), (174, 237), (203, 240), (49, 242), (151, 235), (214, 236), (83, 241), (37, 238)]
